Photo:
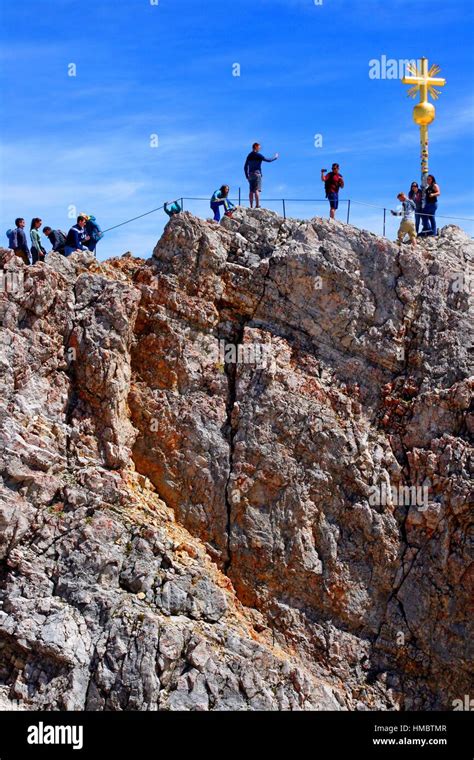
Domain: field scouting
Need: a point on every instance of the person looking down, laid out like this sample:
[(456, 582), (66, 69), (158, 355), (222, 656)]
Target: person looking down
[(220, 198)]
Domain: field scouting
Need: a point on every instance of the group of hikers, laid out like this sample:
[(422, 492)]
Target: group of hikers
[(417, 208), (83, 236)]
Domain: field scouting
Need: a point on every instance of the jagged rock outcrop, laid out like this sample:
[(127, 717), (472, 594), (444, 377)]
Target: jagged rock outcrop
[(236, 476)]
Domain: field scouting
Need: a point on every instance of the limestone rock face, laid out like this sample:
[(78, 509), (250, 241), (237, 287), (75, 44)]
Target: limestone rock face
[(236, 476)]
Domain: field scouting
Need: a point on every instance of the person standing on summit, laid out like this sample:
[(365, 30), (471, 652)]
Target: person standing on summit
[(253, 172), (333, 182)]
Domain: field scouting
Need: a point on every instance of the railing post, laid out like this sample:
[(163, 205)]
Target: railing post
[(348, 211), (239, 196), (182, 203), (284, 208), (384, 220)]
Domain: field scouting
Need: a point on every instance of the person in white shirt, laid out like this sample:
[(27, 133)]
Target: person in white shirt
[(407, 225)]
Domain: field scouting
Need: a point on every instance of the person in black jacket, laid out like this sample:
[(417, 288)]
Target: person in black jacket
[(57, 238), (416, 196), (432, 193)]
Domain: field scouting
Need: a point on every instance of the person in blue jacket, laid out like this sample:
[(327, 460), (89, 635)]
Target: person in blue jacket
[(253, 172), (220, 198), (17, 240), (76, 237), (93, 232), (172, 208)]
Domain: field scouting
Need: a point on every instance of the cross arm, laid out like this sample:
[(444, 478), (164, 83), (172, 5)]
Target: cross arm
[(430, 81)]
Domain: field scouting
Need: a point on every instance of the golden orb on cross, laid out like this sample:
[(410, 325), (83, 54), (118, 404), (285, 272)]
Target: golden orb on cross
[(424, 113)]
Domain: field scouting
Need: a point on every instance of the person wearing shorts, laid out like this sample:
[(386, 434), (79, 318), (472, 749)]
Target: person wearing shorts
[(333, 182), (255, 184), (253, 172)]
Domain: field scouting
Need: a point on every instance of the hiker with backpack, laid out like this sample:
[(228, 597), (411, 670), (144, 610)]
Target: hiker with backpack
[(416, 195), (37, 251), (17, 240), (253, 173), (76, 237), (220, 198), (57, 238), (333, 182), (407, 225), (432, 193), (93, 232)]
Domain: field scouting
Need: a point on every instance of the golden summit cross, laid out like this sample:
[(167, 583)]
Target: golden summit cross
[(424, 81)]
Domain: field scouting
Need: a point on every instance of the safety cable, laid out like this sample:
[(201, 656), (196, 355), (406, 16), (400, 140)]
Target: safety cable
[(283, 200)]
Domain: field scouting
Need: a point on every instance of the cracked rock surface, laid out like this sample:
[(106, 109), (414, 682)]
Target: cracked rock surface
[(237, 476)]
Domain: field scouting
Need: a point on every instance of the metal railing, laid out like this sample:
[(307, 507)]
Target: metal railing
[(348, 206)]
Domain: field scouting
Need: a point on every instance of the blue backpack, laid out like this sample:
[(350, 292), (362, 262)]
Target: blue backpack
[(93, 229), (10, 234)]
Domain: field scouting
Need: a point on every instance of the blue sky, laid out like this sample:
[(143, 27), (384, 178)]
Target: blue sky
[(167, 69)]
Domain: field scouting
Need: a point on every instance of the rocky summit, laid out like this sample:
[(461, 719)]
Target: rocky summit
[(235, 476)]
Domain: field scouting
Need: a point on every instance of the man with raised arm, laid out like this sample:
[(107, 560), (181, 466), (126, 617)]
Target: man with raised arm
[(253, 172)]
